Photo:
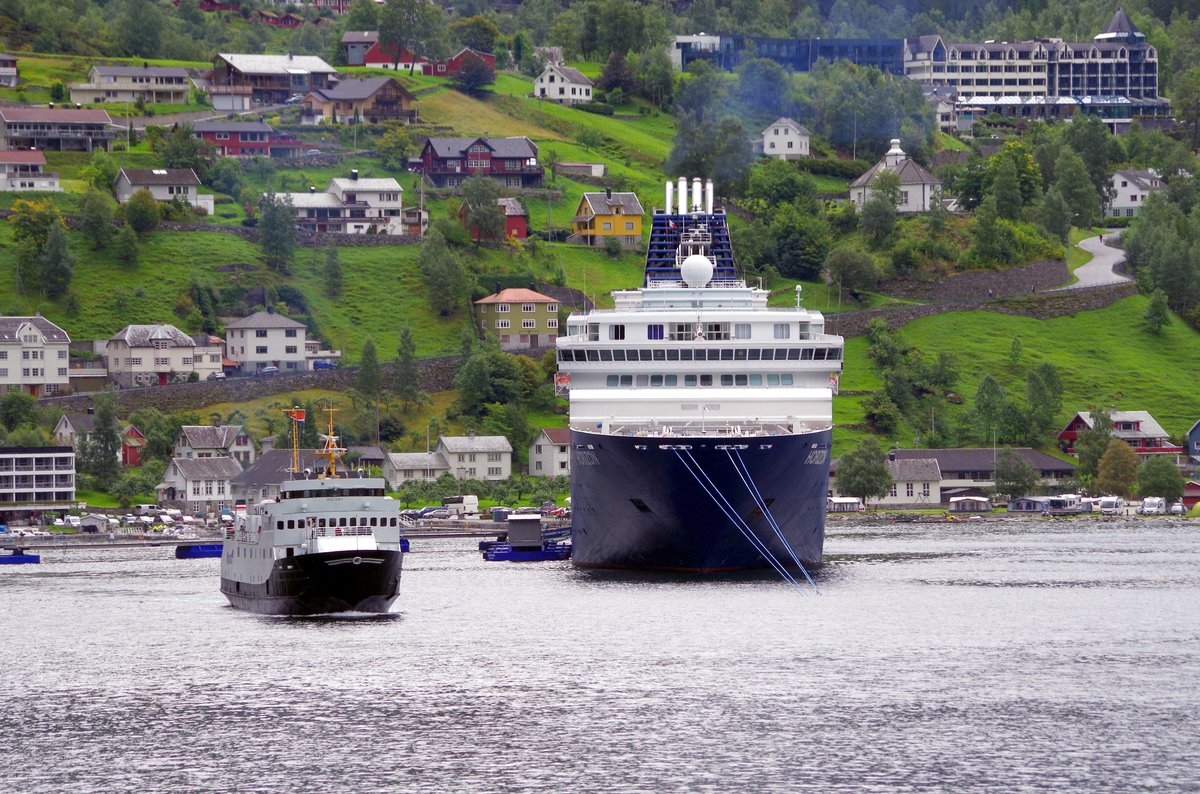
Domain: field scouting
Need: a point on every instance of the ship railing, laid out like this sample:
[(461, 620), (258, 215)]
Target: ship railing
[(730, 283), (711, 428)]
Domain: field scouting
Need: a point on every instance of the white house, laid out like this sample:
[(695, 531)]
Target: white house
[(168, 84), (1130, 189), (477, 457), (165, 184), (199, 485), (33, 356), (786, 139), (402, 467), (915, 482), (147, 355), (550, 453), (266, 339), (918, 188), (22, 169), (214, 441), (562, 84), (351, 206)]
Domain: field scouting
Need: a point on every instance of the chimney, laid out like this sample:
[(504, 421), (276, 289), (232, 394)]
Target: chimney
[(497, 288), (532, 286), (608, 193), (354, 174), (892, 454), (670, 195)]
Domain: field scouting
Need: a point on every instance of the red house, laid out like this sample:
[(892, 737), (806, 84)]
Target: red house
[(336, 6), (384, 57), (512, 162), (285, 21), (235, 138), (132, 442), (450, 67), (216, 5), (516, 220), (1137, 428)]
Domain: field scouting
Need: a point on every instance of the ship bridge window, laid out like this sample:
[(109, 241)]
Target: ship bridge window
[(835, 354), (659, 354), (739, 354), (646, 355), (606, 355), (741, 330), (717, 331), (685, 355), (616, 332), (673, 354), (756, 380), (593, 355), (782, 331), (321, 523), (806, 354), (706, 380), (819, 353), (654, 331), (682, 332), (726, 380), (593, 332), (618, 355), (643, 380), (754, 354), (793, 355), (727, 354), (689, 380)]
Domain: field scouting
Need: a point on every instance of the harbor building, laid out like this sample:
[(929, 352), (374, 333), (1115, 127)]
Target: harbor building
[(34, 481)]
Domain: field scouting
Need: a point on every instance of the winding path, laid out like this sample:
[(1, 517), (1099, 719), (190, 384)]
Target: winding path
[(1099, 271)]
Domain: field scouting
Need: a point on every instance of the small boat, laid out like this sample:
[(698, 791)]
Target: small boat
[(196, 551), (18, 556), (526, 541)]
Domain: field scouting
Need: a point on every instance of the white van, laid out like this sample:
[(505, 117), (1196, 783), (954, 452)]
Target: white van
[(466, 506), (1153, 506), (1111, 505)]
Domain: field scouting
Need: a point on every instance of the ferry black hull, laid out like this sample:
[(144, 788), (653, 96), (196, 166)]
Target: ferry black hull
[(322, 583), (637, 506)]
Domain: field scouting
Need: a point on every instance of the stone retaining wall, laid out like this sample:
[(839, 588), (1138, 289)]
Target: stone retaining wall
[(974, 284)]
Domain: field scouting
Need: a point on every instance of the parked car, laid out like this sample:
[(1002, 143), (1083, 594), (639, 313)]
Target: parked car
[(437, 512), (425, 511), (216, 376), (561, 512), (528, 510), (323, 363), (294, 99), (1178, 509), (267, 371), (312, 153), (410, 512)]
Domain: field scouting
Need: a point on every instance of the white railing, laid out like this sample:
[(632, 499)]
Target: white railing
[(720, 428)]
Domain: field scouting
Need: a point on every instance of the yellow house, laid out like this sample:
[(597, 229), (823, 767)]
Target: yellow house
[(608, 214), (521, 318)]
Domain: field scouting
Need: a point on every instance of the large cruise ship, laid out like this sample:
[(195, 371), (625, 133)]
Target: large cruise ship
[(329, 543), (700, 417)]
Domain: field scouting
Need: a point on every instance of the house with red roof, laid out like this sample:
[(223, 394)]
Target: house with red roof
[(516, 219), (1138, 429), (519, 318), (21, 169), (550, 453)]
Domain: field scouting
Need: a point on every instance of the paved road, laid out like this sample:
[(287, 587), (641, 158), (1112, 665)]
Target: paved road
[(1100, 270)]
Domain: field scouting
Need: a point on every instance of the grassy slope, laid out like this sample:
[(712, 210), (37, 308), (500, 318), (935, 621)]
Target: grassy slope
[(1104, 358)]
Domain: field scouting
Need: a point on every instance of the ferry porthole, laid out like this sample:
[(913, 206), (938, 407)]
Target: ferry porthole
[(357, 561)]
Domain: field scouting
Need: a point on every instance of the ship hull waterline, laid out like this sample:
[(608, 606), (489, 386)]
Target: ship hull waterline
[(322, 583), (636, 505)]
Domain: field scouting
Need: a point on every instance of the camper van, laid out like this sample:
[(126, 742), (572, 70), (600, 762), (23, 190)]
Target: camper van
[(1111, 505), (1153, 506), (466, 506)]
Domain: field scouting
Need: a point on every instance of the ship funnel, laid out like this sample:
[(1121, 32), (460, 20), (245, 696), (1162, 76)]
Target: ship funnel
[(683, 197), (708, 196), (697, 196), (670, 195)]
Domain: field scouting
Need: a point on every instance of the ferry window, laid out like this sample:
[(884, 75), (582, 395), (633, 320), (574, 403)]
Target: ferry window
[(606, 355), (627, 380), (642, 380), (785, 379), (673, 354), (756, 380), (702, 354), (683, 332), (772, 380), (659, 354), (819, 354), (835, 354), (374, 521), (719, 331), (279, 525), (706, 380), (654, 332), (593, 332), (740, 380), (321, 523), (393, 521), (656, 380), (793, 355), (616, 332), (726, 380), (645, 355), (612, 381), (782, 331), (685, 355), (671, 380), (618, 355), (689, 380), (291, 524), (741, 330), (768, 354), (727, 355), (592, 355), (632, 355), (806, 354), (754, 354), (739, 354), (353, 521)]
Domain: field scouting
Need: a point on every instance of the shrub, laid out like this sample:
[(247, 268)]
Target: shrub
[(595, 107)]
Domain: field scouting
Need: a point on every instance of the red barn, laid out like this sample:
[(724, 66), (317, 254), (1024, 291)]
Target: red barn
[(516, 220), (132, 442), (450, 67)]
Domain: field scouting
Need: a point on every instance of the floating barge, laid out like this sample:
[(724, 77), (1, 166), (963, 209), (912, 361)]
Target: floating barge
[(18, 556), (526, 541)]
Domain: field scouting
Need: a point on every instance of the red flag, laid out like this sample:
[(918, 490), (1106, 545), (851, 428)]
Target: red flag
[(296, 414)]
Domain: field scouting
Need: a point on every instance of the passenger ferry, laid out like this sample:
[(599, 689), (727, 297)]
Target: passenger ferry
[(700, 416), (329, 543)]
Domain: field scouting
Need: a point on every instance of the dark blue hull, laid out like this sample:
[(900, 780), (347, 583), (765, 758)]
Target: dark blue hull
[(504, 552), (636, 505), (196, 551), (20, 558)]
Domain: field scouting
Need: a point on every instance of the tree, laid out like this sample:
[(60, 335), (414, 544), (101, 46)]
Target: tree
[(277, 231), (1015, 476), (394, 148), (852, 270), (1006, 190), (1157, 314), (183, 149), (1091, 445), (612, 247), (551, 161), (361, 15), (992, 244), (990, 400), (95, 218), (588, 138), (333, 272), (1071, 179), (139, 29), (101, 453), (800, 243), (1055, 216), (474, 74), (1014, 352), (1043, 401), (226, 176), (31, 222), (125, 245), (407, 383), (476, 32), (617, 74), (656, 75), (1159, 477), (489, 375), (17, 408), (863, 472), (877, 218), (57, 264), (142, 211), (1118, 469), (1186, 99), (101, 172), (484, 217), (444, 275)]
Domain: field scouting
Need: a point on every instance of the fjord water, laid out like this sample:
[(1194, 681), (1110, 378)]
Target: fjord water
[(1014, 655)]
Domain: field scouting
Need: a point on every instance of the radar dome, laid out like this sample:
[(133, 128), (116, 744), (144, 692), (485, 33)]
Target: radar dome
[(696, 270)]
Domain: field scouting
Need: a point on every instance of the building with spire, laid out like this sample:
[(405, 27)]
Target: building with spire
[(918, 187)]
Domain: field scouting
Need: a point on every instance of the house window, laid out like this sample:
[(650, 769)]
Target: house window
[(552, 322), (290, 350), (62, 354), (529, 307), (629, 226), (494, 457), (903, 196), (261, 333), (892, 492), (208, 487), (503, 323), (607, 226), (924, 489), (136, 361), (528, 324), (161, 362), (261, 350), (908, 489), (494, 471), (552, 307), (289, 333), (502, 307)]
